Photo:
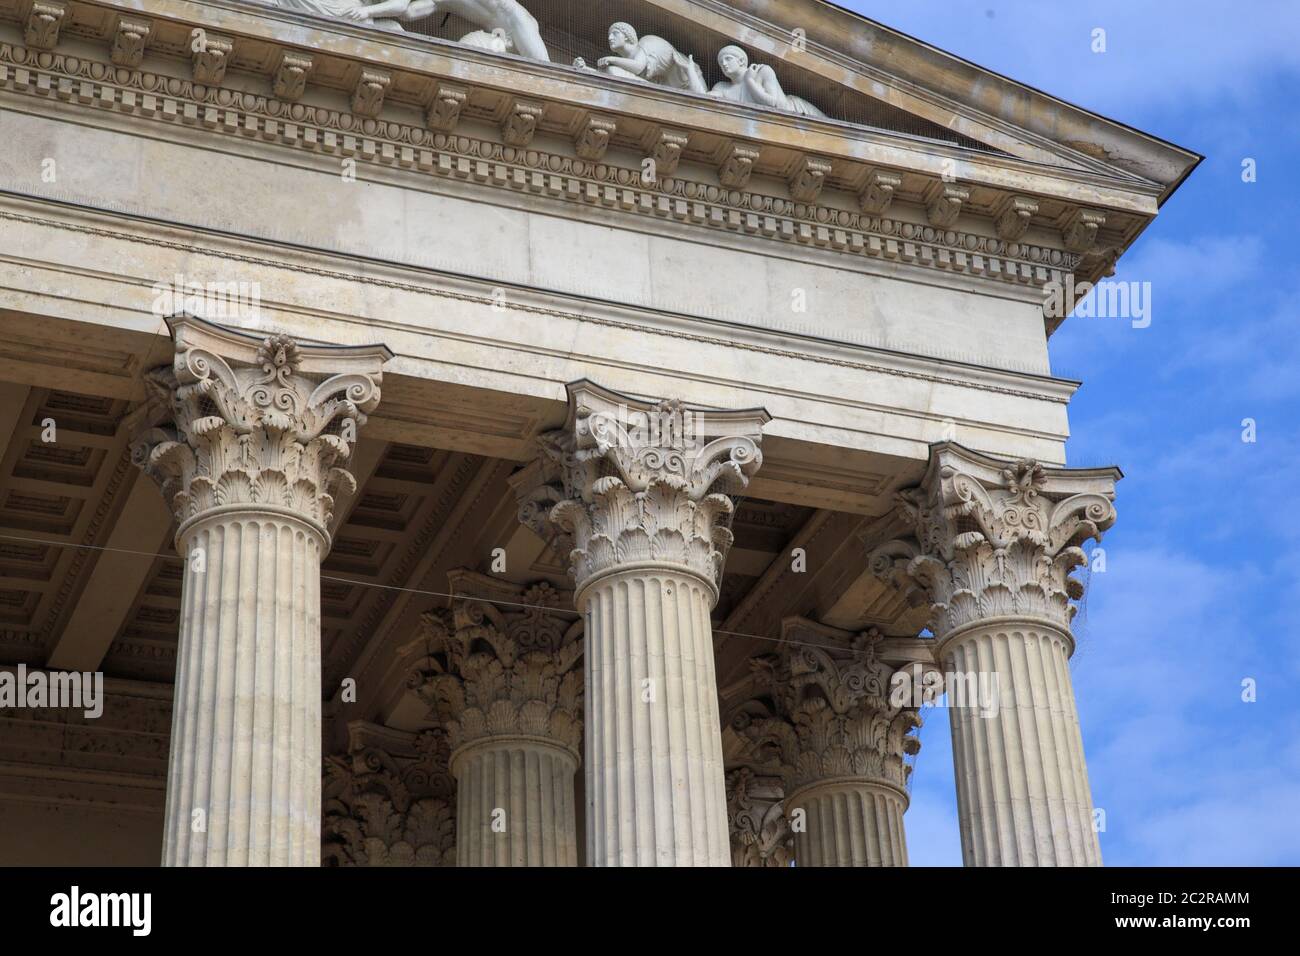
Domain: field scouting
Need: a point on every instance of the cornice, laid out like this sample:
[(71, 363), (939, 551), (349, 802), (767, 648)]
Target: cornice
[(372, 131), (173, 101)]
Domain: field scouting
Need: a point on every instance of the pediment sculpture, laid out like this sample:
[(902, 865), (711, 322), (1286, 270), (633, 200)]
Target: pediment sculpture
[(756, 84), (649, 58), (505, 26)]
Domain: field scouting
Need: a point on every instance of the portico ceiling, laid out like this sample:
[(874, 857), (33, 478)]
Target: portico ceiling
[(89, 579)]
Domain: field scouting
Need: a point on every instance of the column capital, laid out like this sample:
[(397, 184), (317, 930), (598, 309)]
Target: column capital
[(991, 538), (502, 667), (822, 708), (255, 421), (760, 832), (628, 482), (389, 801)]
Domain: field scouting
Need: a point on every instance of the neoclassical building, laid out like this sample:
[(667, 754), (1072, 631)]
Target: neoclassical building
[(466, 432)]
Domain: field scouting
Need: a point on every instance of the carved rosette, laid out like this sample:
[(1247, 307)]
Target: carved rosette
[(996, 539), (259, 424), (488, 671), (628, 483), (760, 832), (386, 809), (824, 713)]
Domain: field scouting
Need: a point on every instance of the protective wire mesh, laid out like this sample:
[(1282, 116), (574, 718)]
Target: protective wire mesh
[(574, 29)]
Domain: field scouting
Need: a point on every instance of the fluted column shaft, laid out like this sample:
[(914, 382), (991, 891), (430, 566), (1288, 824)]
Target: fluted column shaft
[(248, 438), (1022, 784), (637, 496), (994, 548), (655, 787), (243, 781), (850, 822), (515, 804)]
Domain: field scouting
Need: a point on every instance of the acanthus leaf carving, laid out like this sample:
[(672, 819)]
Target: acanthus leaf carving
[(627, 482), (130, 36), (444, 111), (809, 177), (994, 539), (823, 711), (878, 193), (738, 166), (386, 809), (368, 95), (760, 831), (487, 669), (260, 429), (211, 61), (41, 30), (291, 72)]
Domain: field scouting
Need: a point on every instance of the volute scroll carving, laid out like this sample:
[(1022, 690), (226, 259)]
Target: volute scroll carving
[(256, 422), (996, 539), (822, 711), (501, 670), (628, 481), (390, 801)]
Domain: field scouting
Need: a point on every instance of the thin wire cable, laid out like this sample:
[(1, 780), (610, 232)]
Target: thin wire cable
[(420, 591)]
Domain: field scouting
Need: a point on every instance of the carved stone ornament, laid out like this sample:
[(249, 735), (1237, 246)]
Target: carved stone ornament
[(593, 138), (260, 422), (210, 62), (1081, 230), (130, 36), (809, 178), (630, 482), (760, 832), (507, 669), (291, 75), (824, 712), (944, 203), (1013, 218), (41, 31), (878, 194), (996, 539), (521, 122), (368, 96), (391, 801), (667, 151), (444, 111), (738, 166)]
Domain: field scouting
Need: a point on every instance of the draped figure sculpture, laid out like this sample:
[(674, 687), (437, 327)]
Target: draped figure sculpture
[(650, 59), (502, 20), (756, 85)]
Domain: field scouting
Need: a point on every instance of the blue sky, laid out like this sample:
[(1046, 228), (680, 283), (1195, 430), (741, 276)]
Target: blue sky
[(1201, 573)]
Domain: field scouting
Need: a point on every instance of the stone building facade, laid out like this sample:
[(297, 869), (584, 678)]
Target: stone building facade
[(465, 432)]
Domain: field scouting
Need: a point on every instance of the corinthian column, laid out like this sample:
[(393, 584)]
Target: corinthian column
[(499, 671), (824, 714), (248, 449), (993, 549), (635, 494)]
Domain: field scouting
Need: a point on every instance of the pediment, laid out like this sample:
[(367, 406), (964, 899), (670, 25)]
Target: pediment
[(840, 66), (851, 134)]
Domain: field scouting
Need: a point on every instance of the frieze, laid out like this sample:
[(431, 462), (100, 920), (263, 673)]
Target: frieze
[(520, 306)]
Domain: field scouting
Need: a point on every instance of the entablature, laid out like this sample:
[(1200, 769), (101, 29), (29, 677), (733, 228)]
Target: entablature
[(437, 107)]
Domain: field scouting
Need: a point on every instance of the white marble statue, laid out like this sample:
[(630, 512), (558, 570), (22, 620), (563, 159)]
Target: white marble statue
[(756, 85), (651, 59), (381, 15), (507, 16), (497, 41)]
